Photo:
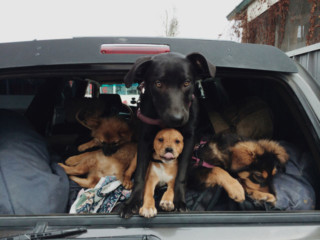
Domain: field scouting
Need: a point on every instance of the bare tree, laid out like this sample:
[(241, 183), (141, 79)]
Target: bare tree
[(171, 24)]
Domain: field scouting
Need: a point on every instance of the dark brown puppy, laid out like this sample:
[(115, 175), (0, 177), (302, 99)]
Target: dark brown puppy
[(253, 163), (118, 156), (168, 145), (167, 100)]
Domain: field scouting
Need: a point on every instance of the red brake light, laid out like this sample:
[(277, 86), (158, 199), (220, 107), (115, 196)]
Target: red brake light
[(133, 49)]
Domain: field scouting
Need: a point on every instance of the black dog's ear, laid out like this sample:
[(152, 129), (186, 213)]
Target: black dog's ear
[(203, 68), (137, 71)]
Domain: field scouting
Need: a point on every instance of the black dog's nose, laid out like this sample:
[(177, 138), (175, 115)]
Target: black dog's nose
[(169, 150)]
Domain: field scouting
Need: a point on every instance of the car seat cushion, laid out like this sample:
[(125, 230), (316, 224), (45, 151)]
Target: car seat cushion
[(29, 182)]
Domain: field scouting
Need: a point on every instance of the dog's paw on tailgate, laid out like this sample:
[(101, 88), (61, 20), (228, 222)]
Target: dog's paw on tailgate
[(180, 206), (130, 208), (166, 205), (179, 199), (148, 212)]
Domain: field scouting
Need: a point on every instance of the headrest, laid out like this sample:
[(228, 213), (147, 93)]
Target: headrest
[(104, 106)]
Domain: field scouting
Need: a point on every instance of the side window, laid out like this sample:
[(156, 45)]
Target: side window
[(17, 94)]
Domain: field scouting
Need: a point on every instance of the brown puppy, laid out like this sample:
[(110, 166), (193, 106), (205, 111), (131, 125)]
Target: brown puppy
[(168, 145), (254, 163), (118, 156), (107, 132)]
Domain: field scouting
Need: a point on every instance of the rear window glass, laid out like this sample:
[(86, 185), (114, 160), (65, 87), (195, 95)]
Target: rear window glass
[(129, 96)]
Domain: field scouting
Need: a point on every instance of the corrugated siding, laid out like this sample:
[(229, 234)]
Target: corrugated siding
[(311, 62)]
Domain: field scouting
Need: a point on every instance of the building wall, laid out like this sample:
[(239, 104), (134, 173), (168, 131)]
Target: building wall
[(256, 8), (286, 24), (297, 26), (291, 25)]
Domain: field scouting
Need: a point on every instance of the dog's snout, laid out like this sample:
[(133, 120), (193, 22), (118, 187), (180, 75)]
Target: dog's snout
[(109, 149), (169, 150), (176, 119)]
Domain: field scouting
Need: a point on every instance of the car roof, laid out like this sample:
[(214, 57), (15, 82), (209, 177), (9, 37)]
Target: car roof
[(86, 50)]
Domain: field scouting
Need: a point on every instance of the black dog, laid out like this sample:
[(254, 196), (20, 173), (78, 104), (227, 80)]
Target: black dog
[(168, 100)]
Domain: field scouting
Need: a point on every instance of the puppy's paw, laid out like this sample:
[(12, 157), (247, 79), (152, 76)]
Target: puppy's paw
[(72, 161), (148, 212), (235, 191), (130, 208), (73, 178), (166, 205), (127, 184), (62, 165), (180, 206), (271, 199), (82, 148), (264, 197), (179, 198)]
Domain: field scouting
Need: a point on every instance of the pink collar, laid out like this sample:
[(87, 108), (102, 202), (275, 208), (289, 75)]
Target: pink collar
[(148, 120), (201, 163)]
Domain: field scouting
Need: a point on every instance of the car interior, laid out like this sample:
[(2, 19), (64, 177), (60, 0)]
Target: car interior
[(258, 99)]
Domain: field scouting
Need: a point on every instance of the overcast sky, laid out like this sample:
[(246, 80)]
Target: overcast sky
[(22, 20)]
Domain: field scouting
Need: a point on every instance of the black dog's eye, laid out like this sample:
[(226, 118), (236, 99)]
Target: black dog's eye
[(160, 139), (158, 84), (177, 141), (187, 83)]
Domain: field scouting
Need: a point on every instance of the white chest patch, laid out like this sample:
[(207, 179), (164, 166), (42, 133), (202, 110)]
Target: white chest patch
[(162, 175)]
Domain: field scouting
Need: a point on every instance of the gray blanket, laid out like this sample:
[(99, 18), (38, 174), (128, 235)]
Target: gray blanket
[(30, 183)]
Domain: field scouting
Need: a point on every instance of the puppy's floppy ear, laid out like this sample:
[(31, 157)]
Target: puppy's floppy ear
[(90, 122), (277, 149), (137, 71), (204, 69), (243, 154)]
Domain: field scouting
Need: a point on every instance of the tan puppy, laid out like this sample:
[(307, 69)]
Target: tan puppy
[(118, 156), (168, 144)]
